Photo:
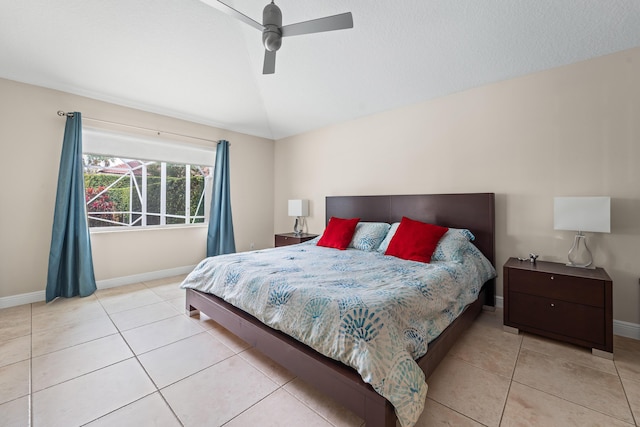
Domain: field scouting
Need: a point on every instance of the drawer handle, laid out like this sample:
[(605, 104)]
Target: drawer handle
[(551, 277), (553, 305)]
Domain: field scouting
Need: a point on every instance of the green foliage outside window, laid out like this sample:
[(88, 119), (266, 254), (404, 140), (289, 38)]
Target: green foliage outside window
[(117, 198)]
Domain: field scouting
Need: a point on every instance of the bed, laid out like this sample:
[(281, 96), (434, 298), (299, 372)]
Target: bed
[(474, 212)]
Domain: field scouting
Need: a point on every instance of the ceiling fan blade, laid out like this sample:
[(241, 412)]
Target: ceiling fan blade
[(269, 62), (329, 23), (233, 13)]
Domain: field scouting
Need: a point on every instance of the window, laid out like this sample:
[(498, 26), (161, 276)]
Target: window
[(126, 191)]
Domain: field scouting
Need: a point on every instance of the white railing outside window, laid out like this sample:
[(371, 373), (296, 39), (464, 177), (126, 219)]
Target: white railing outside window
[(123, 192)]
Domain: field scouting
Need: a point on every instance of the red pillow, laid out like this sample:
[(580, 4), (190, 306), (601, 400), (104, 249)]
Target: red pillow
[(338, 233), (415, 240)]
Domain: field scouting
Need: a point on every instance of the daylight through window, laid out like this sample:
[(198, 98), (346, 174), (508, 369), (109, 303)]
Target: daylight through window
[(133, 192)]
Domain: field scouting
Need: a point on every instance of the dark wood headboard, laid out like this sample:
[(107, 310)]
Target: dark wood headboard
[(473, 211)]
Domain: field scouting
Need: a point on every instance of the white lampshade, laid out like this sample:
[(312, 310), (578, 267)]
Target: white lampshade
[(591, 214), (298, 207)]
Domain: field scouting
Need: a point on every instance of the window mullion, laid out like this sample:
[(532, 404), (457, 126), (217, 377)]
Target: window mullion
[(187, 194), (131, 185), (143, 202), (208, 195), (163, 193)]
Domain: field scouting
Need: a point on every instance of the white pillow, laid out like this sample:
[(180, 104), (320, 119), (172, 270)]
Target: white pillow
[(453, 245), (385, 243), (368, 235)]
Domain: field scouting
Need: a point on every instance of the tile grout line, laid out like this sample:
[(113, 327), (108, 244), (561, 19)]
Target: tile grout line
[(574, 362), (72, 346), (482, 369), (280, 387), (188, 376), (304, 403), (570, 401), (251, 406), (513, 373), (478, 367), (457, 411), (134, 308), (624, 390), (163, 301), (117, 409), (617, 375), (121, 331), (573, 403), (140, 364)]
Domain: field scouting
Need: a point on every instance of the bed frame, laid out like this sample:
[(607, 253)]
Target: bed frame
[(474, 211)]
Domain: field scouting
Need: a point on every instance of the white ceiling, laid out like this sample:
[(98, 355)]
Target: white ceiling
[(185, 59)]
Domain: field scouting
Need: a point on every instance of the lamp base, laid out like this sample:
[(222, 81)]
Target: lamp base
[(298, 226), (579, 254)]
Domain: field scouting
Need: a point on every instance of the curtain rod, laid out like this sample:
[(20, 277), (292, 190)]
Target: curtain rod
[(63, 114)]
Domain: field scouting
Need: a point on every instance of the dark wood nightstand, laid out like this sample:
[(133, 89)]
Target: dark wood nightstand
[(560, 302), (285, 239)]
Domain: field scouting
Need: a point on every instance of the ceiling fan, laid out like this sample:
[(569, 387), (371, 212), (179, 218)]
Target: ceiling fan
[(273, 31)]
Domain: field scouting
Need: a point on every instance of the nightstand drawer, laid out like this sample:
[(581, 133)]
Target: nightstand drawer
[(557, 286), (286, 239), (571, 320)]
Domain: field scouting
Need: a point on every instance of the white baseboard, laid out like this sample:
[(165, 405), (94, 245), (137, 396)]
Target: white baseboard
[(624, 329), (31, 297), (21, 299), (143, 277)]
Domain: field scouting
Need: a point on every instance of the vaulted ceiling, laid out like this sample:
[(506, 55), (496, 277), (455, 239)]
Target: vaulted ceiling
[(188, 60)]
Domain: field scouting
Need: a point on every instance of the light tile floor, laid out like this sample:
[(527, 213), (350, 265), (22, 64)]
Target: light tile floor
[(128, 356)]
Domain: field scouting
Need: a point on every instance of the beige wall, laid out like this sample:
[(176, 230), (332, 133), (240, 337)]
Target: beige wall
[(571, 131), (30, 144)]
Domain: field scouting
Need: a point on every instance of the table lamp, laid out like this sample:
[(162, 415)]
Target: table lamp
[(300, 209), (591, 214)]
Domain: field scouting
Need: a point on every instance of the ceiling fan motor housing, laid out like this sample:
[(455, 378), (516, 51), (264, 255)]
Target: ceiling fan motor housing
[(272, 21), (272, 29)]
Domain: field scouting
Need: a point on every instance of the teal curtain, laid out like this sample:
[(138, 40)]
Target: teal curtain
[(220, 239), (70, 263)]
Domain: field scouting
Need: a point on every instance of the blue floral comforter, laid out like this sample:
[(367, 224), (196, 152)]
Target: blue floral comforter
[(373, 312)]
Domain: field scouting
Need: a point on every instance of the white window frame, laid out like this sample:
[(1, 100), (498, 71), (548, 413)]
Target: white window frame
[(163, 151)]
